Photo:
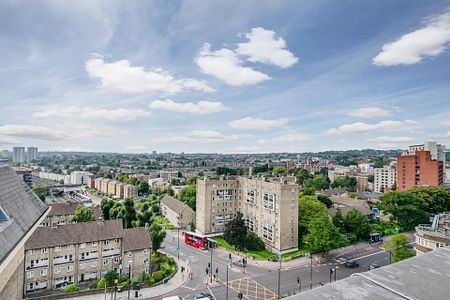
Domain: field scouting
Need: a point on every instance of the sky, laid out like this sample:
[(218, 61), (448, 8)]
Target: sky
[(224, 76)]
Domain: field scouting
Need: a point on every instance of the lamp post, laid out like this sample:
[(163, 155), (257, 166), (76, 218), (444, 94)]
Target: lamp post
[(129, 278), (310, 271), (226, 297), (178, 239), (279, 276)]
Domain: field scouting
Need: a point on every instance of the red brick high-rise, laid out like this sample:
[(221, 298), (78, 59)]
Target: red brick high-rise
[(418, 170)]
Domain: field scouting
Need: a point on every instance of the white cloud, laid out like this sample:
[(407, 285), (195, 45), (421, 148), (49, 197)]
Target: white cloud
[(361, 127), (391, 139), (368, 112), (225, 65), (118, 114), (245, 149), (121, 76), (430, 40), (199, 108), (136, 147), (70, 149), (263, 47), (258, 124), (287, 138), (31, 132), (198, 137)]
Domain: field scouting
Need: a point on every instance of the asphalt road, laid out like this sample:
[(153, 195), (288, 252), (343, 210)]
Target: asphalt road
[(257, 283)]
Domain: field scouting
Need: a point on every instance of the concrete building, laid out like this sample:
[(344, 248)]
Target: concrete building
[(418, 170), (116, 188), (383, 178), (167, 175), (21, 212), (178, 213), (437, 151), (75, 253), (130, 191), (32, 153), (18, 154), (62, 213), (79, 177), (104, 185), (362, 182), (436, 235), (269, 206), (112, 187), (137, 250), (55, 177), (5, 154)]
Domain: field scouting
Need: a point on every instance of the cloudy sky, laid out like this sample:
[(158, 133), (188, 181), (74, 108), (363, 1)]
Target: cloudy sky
[(224, 76)]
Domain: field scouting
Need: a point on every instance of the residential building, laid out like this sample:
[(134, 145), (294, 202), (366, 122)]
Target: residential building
[(18, 154), (167, 175), (269, 206), (345, 204), (98, 183), (62, 213), (55, 177), (137, 250), (21, 212), (130, 191), (115, 188), (437, 151), (120, 187), (419, 169), (79, 177), (436, 235), (418, 278), (25, 174), (112, 187), (76, 253), (178, 213), (32, 153), (383, 178), (362, 182), (5, 154), (104, 185)]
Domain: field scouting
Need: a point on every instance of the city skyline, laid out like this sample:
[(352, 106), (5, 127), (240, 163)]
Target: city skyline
[(227, 78)]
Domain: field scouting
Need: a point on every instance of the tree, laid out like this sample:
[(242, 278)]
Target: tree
[(399, 247), (318, 182), (406, 208), (143, 187), (109, 277), (157, 235), (82, 214), (188, 195), (279, 170), (323, 235), (235, 232), (41, 192), (302, 175), (144, 217), (129, 213), (254, 242), (348, 182), (308, 208), (107, 175), (338, 219), (437, 198), (357, 224), (325, 200)]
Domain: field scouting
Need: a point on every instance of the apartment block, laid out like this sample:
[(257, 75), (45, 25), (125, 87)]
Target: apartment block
[(437, 151), (130, 191), (75, 253), (79, 177), (419, 170), (383, 178), (434, 236), (269, 206), (62, 213), (167, 175), (178, 213), (116, 188), (18, 154), (112, 187), (32, 153), (104, 185)]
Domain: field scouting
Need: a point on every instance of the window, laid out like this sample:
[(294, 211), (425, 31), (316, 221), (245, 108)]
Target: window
[(105, 242), (94, 244), (3, 215), (269, 201), (117, 241), (69, 247), (251, 196), (83, 245), (69, 268), (145, 251), (105, 262), (82, 266), (116, 260), (30, 252), (94, 264), (146, 260), (129, 254), (56, 269), (267, 231), (30, 274), (44, 272), (57, 248), (44, 250)]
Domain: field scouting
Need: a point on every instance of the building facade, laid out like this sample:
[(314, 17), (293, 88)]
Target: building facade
[(436, 235), (32, 153), (18, 154), (269, 206), (116, 188), (62, 213), (419, 170), (437, 151), (383, 178), (178, 213), (79, 177), (167, 175)]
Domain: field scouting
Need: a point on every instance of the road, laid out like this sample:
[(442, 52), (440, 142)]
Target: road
[(257, 283)]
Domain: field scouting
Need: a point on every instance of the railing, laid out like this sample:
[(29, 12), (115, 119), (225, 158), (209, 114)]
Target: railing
[(90, 256), (111, 252), (422, 229), (58, 261), (38, 265)]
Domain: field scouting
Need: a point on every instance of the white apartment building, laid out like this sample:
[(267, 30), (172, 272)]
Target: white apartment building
[(269, 206), (18, 154), (55, 177), (383, 178), (437, 151), (32, 153), (167, 175), (79, 177), (434, 236)]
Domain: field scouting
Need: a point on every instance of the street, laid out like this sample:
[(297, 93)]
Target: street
[(257, 283)]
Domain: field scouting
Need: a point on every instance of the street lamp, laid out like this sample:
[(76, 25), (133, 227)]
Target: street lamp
[(299, 283), (178, 234), (129, 277), (279, 275), (226, 297)]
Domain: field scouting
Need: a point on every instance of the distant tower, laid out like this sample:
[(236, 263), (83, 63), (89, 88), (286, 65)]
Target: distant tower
[(18, 154), (32, 153)]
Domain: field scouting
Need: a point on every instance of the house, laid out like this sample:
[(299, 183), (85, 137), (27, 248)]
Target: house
[(62, 213), (178, 213), (345, 204)]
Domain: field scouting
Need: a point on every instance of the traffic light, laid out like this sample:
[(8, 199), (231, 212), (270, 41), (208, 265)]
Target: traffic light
[(182, 269), (229, 256), (207, 271), (240, 295), (298, 280), (209, 265)]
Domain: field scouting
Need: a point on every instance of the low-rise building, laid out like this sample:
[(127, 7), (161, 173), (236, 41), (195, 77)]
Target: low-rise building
[(436, 235), (104, 185), (137, 249), (130, 191), (79, 177), (112, 187), (178, 213), (167, 175), (62, 213)]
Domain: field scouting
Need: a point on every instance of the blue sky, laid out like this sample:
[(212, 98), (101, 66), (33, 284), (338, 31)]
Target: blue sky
[(224, 76)]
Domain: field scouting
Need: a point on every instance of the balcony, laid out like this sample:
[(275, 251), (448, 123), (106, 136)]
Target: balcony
[(62, 260), (89, 256), (111, 252), (40, 264), (427, 229)]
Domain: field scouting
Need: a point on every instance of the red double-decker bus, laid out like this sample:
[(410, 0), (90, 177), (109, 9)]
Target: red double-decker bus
[(196, 240)]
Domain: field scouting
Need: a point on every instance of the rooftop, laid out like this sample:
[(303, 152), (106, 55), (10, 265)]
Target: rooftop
[(136, 239), (175, 204), (68, 208)]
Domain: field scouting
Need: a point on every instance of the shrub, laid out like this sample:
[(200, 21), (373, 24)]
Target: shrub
[(163, 258), (72, 288), (144, 277), (158, 276), (254, 242), (101, 283), (151, 280), (135, 280), (123, 278), (93, 284), (171, 261)]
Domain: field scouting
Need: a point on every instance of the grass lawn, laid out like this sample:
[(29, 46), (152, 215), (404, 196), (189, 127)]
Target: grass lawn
[(264, 254), (303, 249)]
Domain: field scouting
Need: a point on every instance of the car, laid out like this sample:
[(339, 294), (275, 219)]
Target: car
[(352, 264), (203, 296), (374, 266), (172, 298)]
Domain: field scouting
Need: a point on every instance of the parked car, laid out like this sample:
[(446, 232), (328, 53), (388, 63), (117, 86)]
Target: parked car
[(352, 264), (203, 296), (374, 266), (172, 298)]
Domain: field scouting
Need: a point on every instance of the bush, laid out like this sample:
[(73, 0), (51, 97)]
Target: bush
[(135, 280), (144, 277), (254, 242), (123, 278), (151, 280), (158, 276), (93, 285), (72, 288), (171, 261), (163, 258), (101, 283)]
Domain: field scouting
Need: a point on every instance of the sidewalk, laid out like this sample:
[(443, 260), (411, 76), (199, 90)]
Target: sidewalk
[(174, 283)]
